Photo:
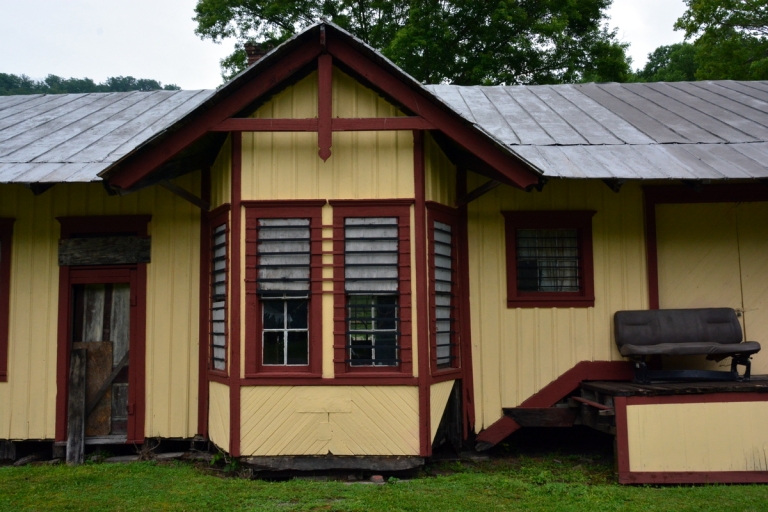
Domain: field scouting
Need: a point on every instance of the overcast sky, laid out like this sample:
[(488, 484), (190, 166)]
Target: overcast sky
[(155, 38)]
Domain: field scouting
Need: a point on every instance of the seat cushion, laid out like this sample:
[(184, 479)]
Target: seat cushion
[(690, 349)]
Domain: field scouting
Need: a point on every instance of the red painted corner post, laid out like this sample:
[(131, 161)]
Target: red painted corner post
[(324, 105)]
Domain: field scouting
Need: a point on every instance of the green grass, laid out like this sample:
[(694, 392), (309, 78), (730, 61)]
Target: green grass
[(523, 483)]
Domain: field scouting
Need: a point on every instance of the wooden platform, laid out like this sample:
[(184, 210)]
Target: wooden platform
[(758, 384)]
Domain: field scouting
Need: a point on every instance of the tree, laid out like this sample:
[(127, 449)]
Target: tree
[(731, 38), (52, 84), (673, 63), (441, 41)]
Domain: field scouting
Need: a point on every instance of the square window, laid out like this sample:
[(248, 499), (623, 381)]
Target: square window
[(549, 259)]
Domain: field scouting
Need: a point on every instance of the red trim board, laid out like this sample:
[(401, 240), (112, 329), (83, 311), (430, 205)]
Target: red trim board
[(235, 291)]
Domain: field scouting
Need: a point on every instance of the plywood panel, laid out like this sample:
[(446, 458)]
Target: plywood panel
[(516, 352), (218, 415), (753, 248), (438, 396), (698, 437), (28, 399), (340, 420)]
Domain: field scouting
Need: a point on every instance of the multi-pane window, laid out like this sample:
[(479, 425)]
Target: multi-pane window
[(444, 293), (219, 297), (548, 260), (371, 283), (284, 288)]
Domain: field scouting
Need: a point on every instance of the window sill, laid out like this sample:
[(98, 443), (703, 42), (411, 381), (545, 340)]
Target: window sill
[(283, 375), (559, 302)]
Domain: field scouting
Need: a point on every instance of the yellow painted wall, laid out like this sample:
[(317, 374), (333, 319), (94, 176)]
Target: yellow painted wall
[(516, 352), (438, 398), (218, 415), (440, 174), (698, 437), (363, 165), (221, 176), (340, 420), (28, 399), (713, 255)]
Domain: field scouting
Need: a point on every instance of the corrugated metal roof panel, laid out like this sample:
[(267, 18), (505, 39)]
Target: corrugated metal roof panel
[(74, 137)]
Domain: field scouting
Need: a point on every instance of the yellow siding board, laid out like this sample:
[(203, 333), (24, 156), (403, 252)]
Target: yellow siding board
[(438, 399), (218, 415), (698, 437), (28, 399), (342, 420), (518, 351)]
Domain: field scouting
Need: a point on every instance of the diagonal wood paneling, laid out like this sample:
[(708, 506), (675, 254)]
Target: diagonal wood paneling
[(218, 415), (439, 395), (340, 420)]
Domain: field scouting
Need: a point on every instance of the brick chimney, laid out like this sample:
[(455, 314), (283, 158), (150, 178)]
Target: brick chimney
[(254, 52)]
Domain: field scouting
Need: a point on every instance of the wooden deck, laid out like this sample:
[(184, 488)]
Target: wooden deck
[(758, 384)]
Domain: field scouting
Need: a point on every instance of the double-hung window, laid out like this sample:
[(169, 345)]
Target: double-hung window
[(373, 296), (283, 262), (6, 231), (549, 258)]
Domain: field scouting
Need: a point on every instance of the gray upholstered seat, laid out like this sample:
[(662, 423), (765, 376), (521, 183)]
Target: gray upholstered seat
[(707, 331)]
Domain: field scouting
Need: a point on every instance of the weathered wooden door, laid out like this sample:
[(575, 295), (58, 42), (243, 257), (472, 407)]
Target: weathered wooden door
[(714, 255), (103, 330)]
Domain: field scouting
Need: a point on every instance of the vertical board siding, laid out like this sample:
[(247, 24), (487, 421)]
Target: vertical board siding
[(439, 395), (218, 415), (516, 352), (337, 420), (440, 174), (698, 437), (363, 165), (221, 176), (27, 400)]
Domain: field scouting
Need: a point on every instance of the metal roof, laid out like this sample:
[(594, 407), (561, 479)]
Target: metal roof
[(680, 130), (73, 137)]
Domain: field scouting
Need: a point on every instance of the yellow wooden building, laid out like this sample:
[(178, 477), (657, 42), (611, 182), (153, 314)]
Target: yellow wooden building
[(327, 258)]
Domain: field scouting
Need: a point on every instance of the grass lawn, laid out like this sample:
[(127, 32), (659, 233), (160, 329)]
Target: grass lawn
[(569, 482)]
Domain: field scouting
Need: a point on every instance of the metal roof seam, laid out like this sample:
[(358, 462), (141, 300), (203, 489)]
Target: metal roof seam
[(694, 84), (503, 117), (743, 83), (530, 115), (54, 106), (10, 108), (587, 114), (552, 89)]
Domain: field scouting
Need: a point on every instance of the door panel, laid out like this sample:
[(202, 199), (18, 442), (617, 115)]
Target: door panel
[(753, 249)]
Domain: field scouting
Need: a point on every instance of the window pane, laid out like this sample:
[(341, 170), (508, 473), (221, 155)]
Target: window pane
[(297, 314), (386, 349), (274, 314), (361, 352), (298, 347), (274, 347), (548, 260)]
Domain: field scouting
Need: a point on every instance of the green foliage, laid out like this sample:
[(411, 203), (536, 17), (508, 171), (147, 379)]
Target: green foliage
[(52, 84), (673, 63), (441, 41), (731, 38)]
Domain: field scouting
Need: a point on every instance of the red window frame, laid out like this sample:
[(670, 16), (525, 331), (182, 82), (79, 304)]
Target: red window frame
[(342, 209), (6, 236), (255, 210), (581, 220), (216, 218), (450, 216)]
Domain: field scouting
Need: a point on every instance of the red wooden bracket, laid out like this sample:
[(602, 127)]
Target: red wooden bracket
[(324, 105)]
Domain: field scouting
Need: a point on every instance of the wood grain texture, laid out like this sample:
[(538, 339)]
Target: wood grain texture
[(108, 250), (76, 398), (337, 420)]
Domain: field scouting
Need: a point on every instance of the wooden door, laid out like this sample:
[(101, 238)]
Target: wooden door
[(105, 331)]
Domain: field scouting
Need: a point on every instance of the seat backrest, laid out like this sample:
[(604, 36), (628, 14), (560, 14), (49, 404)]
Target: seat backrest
[(652, 327)]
